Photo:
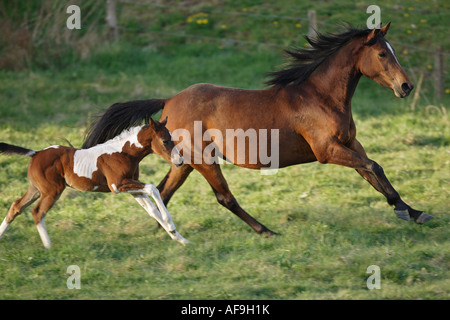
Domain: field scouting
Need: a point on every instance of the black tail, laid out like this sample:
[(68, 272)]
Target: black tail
[(9, 149), (121, 116)]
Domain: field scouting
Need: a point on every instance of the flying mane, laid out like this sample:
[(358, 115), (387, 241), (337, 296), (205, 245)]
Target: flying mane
[(303, 61)]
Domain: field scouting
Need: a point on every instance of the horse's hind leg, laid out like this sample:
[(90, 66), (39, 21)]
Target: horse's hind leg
[(213, 175), (39, 212), (18, 206)]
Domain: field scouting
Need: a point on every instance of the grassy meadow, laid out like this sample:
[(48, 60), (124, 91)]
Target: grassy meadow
[(333, 225)]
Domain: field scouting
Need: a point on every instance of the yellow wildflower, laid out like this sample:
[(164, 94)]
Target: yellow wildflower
[(429, 67), (406, 14)]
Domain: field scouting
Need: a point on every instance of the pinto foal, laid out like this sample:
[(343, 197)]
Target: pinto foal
[(109, 167)]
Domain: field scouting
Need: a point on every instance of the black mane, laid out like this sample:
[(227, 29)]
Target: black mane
[(303, 61)]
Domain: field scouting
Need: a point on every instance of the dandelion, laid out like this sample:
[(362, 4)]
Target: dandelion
[(447, 91), (244, 9), (298, 25), (275, 23), (224, 26), (409, 31), (189, 19), (406, 14), (423, 21), (405, 52), (429, 67)]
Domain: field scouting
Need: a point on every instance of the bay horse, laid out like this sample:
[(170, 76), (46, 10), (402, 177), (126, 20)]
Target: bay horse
[(109, 167), (308, 102)]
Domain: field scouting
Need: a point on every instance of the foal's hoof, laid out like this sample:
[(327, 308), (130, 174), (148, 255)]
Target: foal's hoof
[(424, 217), (402, 214), (178, 237)]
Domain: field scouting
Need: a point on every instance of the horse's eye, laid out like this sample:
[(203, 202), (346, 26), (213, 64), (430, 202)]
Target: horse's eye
[(166, 142), (382, 54)]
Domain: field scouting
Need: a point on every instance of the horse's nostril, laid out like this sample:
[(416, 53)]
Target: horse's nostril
[(406, 87)]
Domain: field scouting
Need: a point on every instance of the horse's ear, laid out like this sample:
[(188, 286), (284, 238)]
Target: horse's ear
[(371, 37), (385, 29), (164, 122), (152, 123)]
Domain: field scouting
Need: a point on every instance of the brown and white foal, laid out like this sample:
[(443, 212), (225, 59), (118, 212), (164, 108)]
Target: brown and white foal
[(109, 167)]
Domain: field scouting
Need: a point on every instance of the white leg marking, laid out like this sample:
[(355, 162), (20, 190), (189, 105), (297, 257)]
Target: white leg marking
[(113, 186), (43, 233), (3, 228), (152, 191), (147, 204)]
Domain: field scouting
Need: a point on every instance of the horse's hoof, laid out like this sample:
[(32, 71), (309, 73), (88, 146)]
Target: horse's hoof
[(268, 233), (424, 217), (402, 214)]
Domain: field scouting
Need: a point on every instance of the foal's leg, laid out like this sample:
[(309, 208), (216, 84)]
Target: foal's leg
[(40, 210), (18, 206), (140, 192), (355, 157)]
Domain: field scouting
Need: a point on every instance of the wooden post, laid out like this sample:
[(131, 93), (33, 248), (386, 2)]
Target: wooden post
[(439, 73), (111, 19), (312, 24)]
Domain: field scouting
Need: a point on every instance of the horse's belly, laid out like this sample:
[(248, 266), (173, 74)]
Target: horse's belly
[(276, 150)]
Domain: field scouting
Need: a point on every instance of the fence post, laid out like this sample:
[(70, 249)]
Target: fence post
[(312, 24), (111, 19), (439, 73)]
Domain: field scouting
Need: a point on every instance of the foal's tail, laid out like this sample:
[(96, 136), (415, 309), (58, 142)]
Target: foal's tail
[(121, 116), (9, 149)]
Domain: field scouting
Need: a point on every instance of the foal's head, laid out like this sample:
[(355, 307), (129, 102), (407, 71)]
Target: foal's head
[(162, 143), (379, 63)]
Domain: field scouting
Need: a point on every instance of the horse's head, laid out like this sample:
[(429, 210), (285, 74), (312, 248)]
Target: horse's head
[(162, 143), (379, 63)]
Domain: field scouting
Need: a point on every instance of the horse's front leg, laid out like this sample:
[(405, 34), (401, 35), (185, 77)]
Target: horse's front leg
[(355, 157), (140, 192)]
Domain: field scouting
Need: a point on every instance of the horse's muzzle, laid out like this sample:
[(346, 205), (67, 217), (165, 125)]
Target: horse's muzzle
[(407, 87)]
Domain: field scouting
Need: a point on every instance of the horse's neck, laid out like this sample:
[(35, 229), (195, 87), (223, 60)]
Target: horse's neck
[(338, 76), (132, 142)]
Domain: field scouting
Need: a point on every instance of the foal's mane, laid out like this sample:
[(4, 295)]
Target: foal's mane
[(303, 61), (125, 134)]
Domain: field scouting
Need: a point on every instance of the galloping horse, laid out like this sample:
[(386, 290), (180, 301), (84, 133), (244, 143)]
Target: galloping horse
[(111, 166), (309, 103)]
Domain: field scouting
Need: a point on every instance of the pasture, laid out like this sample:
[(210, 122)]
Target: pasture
[(333, 225)]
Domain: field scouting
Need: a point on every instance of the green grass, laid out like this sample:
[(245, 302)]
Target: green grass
[(333, 224)]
